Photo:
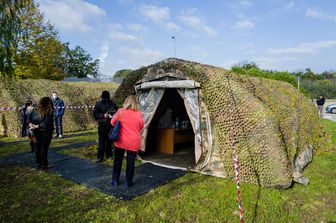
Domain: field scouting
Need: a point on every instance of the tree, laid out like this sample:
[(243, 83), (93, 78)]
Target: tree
[(34, 50), (41, 55), (251, 69), (78, 62), (122, 73), (10, 29)]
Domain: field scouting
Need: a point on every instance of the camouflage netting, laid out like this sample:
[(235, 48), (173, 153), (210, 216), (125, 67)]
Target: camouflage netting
[(13, 93), (269, 123)]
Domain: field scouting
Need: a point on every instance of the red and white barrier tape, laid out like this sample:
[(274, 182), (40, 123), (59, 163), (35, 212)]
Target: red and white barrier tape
[(236, 169), (19, 108)]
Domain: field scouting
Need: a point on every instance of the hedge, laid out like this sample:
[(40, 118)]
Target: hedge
[(14, 92)]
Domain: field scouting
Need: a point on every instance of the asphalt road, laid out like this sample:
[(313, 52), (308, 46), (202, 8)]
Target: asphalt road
[(329, 116)]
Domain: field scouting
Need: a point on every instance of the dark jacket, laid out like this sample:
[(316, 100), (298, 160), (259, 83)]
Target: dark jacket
[(25, 120), (59, 106), (320, 101), (45, 123), (101, 108)]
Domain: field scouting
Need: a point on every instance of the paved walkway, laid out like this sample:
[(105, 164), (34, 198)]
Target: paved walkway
[(98, 176)]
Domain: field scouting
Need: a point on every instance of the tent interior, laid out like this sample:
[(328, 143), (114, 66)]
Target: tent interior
[(167, 143)]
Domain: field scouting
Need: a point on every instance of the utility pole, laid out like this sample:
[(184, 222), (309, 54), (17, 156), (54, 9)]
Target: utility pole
[(298, 80), (174, 39)]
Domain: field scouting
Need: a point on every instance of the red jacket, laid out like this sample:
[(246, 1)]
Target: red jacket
[(130, 131)]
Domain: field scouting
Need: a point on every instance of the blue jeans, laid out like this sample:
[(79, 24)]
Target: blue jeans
[(58, 125)]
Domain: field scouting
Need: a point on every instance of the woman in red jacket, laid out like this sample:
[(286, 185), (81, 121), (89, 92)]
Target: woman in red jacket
[(129, 139)]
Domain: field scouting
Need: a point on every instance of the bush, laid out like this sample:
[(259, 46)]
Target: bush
[(256, 72), (327, 88)]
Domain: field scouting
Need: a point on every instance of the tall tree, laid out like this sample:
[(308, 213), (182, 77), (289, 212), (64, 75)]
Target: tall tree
[(33, 49), (10, 29), (39, 49), (79, 63)]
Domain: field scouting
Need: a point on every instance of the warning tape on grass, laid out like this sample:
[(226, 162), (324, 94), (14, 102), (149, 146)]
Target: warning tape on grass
[(67, 107), (236, 170)]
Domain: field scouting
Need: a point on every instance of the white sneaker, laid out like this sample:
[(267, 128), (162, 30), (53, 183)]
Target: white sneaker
[(60, 136)]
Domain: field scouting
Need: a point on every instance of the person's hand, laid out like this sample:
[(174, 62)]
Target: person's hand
[(31, 125), (106, 115)]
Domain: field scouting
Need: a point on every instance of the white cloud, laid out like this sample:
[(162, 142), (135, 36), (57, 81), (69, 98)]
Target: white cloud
[(159, 15), (246, 3), (104, 52), (120, 62), (136, 27), (198, 52), (172, 26), (140, 55), (244, 24), (196, 22), (155, 13), (316, 13), (125, 2), (116, 32), (71, 15), (303, 48), (290, 6), (116, 35)]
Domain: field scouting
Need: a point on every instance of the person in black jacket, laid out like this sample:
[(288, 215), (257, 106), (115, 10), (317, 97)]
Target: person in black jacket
[(102, 113), (42, 123), (320, 102), (26, 115)]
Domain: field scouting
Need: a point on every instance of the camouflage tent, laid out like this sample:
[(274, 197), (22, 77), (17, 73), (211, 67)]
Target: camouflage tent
[(272, 127)]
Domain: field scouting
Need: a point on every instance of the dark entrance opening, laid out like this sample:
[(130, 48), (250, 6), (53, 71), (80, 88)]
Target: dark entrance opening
[(170, 138)]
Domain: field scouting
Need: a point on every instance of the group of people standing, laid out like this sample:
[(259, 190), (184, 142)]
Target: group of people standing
[(40, 121), (107, 114), (38, 125)]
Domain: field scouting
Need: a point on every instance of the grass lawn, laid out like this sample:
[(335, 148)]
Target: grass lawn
[(88, 136), (29, 195)]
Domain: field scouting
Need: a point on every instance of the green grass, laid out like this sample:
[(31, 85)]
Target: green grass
[(29, 195), (90, 135), (331, 129)]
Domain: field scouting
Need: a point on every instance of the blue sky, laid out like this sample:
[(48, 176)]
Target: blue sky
[(276, 34)]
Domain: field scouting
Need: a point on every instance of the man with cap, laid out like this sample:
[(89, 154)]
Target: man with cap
[(102, 113)]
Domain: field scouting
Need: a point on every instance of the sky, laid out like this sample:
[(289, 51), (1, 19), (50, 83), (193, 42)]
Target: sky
[(279, 35)]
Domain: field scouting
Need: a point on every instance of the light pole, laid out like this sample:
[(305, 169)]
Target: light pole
[(174, 39)]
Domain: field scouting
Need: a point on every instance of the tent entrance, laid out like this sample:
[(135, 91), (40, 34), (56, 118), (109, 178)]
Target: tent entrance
[(170, 138)]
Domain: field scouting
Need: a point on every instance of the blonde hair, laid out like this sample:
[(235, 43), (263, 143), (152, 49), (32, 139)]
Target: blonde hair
[(131, 102)]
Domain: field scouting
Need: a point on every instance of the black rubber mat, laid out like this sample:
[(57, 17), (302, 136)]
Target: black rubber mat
[(98, 175)]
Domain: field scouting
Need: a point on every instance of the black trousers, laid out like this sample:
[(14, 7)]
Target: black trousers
[(105, 145), (43, 143), (118, 159)]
